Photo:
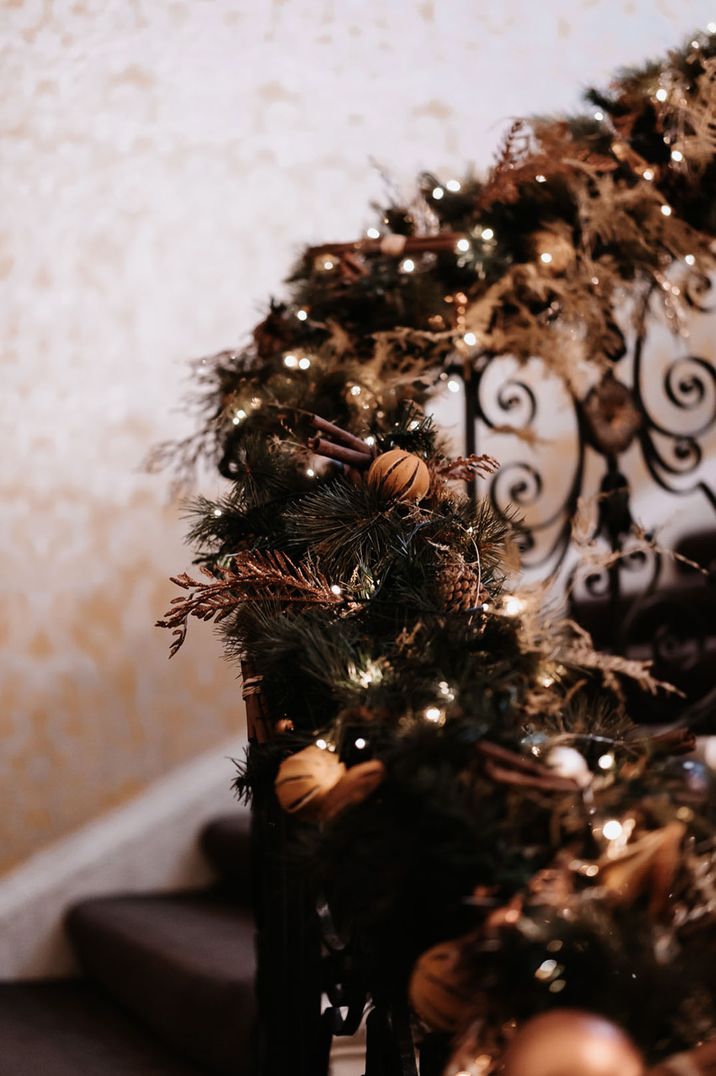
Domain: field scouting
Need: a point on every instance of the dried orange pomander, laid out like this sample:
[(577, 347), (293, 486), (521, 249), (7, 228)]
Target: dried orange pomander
[(400, 475)]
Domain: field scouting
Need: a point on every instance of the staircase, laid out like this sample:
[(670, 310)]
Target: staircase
[(167, 987)]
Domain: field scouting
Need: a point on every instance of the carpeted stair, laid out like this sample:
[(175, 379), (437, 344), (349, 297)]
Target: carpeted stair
[(168, 984)]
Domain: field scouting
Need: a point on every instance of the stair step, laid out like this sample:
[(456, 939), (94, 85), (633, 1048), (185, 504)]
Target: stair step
[(70, 1027), (183, 964), (226, 843)]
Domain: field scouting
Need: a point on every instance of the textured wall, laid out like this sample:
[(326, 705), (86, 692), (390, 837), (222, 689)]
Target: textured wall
[(161, 162)]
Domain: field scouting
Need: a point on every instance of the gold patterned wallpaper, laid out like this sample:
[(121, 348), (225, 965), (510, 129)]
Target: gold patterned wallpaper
[(161, 162)]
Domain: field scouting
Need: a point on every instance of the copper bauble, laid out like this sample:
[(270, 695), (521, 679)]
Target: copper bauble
[(400, 475), (306, 778), (440, 989), (354, 787), (568, 1042)]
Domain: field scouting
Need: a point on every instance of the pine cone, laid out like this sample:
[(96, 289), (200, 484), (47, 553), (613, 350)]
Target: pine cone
[(459, 588)]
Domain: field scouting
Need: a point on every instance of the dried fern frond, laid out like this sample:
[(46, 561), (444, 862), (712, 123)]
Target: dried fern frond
[(251, 577)]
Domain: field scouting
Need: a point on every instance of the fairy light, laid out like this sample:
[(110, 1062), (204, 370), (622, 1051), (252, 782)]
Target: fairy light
[(711, 27), (453, 185), (689, 259), (661, 94), (598, 115), (612, 829), (322, 744), (540, 178), (438, 193), (372, 233), (648, 174), (335, 589), (546, 680), (217, 513), (371, 674), (545, 257), (488, 233), (677, 155), (695, 44), (453, 385), (327, 264), (360, 743), (290, 361), (606, 761), (462, 245), (666, 210), (407, 265), (355, 390), (310, 472), (546, 970), (239, 416), (433, 713), (370, 439), (304, 363), (302, 314), (470, 339), (414, 424), (513, 605)]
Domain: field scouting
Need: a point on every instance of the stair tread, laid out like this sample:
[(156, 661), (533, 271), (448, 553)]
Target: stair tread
[(65, 1027), (184, 964)]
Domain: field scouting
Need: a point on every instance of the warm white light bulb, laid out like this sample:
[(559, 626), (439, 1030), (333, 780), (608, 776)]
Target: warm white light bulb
[(462, 245), (328, 263), (599, 115), (322, 744), (453, 185), (304, 363), (302, 314), (648, 174), (540, 178), (335, 589), (310, 472), (606, 761), (438, 193), (612, 829), (372, 233), (218, 512), (453, 384), (661, 94), (470, 339), (488, 233), (370, 439), (677, 155), (666, 210), (545, 257), (290, 361), (513, 605), (689, 259), (360, 743), (432, 713), (355, 390), (407, 265)]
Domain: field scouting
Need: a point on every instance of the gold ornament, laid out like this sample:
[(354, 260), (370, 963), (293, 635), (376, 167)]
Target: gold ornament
[(305, 779), (441, 991), (399, 474), (611, 415), (354, 787), (567, 1042), (646, 866), (459, 587)]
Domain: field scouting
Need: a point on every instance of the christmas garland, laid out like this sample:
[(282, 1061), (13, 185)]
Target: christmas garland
[(492, 831)]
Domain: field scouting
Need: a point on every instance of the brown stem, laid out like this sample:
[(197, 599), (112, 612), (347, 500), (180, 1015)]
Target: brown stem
[(341, 435), (417, 244), (338, 452)]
